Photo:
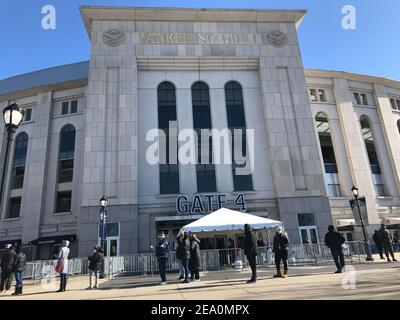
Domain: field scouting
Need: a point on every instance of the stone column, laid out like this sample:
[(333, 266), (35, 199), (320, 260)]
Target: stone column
[(184, 114), (390, 132), (355, 147), (293, 147), (39, 143), (223, 172), (110, 161), (345, 180)]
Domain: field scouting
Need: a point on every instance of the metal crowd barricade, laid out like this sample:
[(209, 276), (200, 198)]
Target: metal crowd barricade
[(213, 259)]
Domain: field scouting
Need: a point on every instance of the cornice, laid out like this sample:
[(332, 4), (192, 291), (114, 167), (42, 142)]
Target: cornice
[(90, 13)]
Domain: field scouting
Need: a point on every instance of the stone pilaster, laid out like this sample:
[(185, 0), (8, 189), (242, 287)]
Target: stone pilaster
[(355, 147), (36, 170)]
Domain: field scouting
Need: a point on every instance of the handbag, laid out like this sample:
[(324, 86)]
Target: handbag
[(58, 267)]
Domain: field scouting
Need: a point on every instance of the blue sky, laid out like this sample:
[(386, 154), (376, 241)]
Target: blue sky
[(373, 48)]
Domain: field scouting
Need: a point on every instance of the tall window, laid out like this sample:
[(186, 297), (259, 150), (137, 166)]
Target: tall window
[(169, 171), (18, 170), (372, 156), (328, 154), (65, 168), (360, 98), (237, 120), (317, 95), (18, 174), (205, 169), (398, 125)]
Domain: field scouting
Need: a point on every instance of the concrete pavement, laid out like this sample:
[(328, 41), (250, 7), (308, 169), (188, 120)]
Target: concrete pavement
[(379, 280)]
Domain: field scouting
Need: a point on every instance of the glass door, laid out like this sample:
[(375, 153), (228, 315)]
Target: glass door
[(112, 246), (308, 235)]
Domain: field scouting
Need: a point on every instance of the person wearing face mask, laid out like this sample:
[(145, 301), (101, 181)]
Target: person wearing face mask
[(251, 251), (62, 265), (281, 250), (162, 256)]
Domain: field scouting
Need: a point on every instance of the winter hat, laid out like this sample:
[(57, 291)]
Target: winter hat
[(65, 243), (161, 235), (279, 230)]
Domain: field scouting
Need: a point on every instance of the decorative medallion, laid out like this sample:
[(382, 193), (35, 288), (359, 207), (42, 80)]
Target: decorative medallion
[(113, 37), (277, 39)]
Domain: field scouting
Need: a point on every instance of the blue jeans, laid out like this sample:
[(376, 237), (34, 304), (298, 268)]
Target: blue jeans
[(181, 269), (185, 264), (18, 279)]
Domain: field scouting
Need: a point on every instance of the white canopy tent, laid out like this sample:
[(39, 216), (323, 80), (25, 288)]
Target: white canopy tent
[(391, 221), (230, 220)]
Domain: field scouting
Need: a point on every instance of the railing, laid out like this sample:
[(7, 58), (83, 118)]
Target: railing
[(214, 259), (46, 268)]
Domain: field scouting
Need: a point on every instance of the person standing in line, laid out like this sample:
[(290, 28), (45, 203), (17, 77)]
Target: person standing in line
[(195, 258), (378, 243), (260, 242), (396, 242), (186, 256), (62, 265), (96, 262), (387, 242), (7, 267), (251, 251), (162, 251), (280, 247), (180, 252), (19, 268), (334, 241)]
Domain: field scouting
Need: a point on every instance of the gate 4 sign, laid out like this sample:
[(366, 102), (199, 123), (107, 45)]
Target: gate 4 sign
[(207, 203), (361, 202)]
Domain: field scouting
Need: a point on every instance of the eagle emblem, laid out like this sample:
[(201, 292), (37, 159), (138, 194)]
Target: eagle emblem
[(113, 37), (277, 38)]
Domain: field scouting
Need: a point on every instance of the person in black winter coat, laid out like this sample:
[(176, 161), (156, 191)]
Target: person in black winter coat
[(162, 252), (180, 252), (251, 251), (387, 242), (96, 263), (7, 267), (195, 258), (378, 243), (19, 268), (334, 240), (281, 249), (183, 253)]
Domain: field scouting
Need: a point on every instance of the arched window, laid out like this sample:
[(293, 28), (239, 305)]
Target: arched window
[(65, 168), (237, 121), (18, 173), (169, 171), (398, 125), (205, 169), (372, 156), (328, 154)]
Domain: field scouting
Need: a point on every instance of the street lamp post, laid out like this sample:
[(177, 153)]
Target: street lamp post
[(12, 116), (366, 240), (103, 222)]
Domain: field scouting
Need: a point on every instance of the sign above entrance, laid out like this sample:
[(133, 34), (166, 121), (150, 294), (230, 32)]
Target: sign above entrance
[(207, 203), (196, 38)]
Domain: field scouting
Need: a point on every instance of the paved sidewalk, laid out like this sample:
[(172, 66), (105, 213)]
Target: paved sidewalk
[(379, 280)]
